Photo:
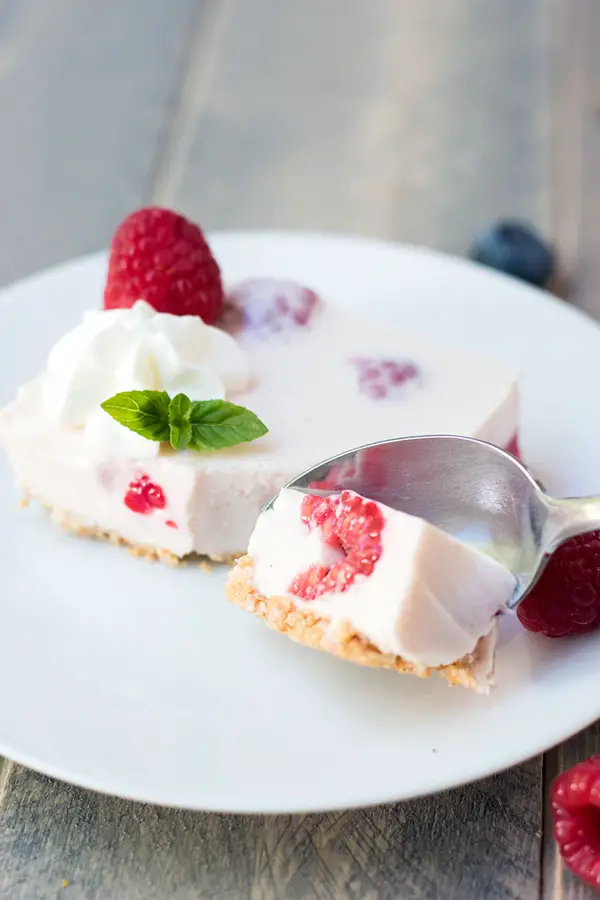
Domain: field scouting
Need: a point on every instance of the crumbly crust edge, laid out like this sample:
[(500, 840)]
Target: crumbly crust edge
[(73, 524), (281, 614)]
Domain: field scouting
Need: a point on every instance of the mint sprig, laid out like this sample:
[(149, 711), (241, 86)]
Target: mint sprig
[(199, 425), (180, 429), (145, 412), (217, 424)]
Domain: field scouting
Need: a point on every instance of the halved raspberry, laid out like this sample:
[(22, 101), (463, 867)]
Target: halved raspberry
[(350, 523), (566, 599), (143, 496), (575, 803), (384, 378), (268, 306), (320, 512), (316, 511)]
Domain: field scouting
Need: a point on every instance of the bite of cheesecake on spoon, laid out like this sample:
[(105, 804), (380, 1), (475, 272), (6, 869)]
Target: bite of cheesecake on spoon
[(403, 554)]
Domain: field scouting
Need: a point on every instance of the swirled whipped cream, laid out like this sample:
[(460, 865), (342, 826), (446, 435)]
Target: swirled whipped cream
[(136, 349)]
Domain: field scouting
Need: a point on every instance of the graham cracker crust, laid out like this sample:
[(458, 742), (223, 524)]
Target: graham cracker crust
[(281, 614), (74, 525)]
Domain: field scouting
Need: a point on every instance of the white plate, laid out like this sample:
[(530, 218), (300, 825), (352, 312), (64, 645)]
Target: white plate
[(142, 681)]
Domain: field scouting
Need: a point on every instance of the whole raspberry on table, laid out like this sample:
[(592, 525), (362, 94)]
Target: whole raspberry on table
[(575, 803), (161, 257), (566, 599)]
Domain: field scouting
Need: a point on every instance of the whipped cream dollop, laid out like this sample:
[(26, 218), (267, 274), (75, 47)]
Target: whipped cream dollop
[(136, 349), (430, 598)]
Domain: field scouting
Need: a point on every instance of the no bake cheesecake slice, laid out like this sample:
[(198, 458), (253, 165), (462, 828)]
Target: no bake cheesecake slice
[(321, 385), (321, 382), (374, 586)]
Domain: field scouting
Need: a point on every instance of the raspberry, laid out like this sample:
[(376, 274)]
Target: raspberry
[(566, 599), (143, 496), (349, 523), (268, 306), (575, 803), (159, 256), (382, 378), (319, 512)]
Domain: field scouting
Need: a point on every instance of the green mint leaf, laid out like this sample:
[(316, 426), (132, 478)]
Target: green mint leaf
[(217, 424), (180, 430), (145, 412), (180, 435), (202, 425), (180, 408)]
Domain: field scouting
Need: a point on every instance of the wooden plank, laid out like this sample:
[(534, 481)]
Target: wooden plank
[(576, 232), (576, 150), (85, 96), (106, 848), (395, 118)]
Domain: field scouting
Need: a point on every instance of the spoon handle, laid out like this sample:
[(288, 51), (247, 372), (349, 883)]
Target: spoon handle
[(569, 518)]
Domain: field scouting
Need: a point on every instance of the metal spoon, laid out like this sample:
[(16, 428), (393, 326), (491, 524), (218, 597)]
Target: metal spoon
[(472, 490)]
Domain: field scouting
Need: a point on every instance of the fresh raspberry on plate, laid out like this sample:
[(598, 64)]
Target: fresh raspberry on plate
[(161, 257), (575, 802), (566, 599)]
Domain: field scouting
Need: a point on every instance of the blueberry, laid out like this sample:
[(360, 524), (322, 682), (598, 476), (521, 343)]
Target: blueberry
[(516, 249)]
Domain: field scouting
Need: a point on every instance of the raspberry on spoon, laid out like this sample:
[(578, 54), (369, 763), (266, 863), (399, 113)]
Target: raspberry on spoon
[(161, 257), (566, 599), (575, 803), (353, 525)]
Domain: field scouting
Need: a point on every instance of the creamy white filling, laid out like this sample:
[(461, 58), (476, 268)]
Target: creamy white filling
[(136, 349), (429, 599)]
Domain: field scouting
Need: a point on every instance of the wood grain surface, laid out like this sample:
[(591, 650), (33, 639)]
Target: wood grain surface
[(86, 97), (454, 846), (575, 217), (398, 118)]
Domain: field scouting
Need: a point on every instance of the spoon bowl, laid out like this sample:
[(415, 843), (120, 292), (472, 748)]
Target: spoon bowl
[(470, 489)]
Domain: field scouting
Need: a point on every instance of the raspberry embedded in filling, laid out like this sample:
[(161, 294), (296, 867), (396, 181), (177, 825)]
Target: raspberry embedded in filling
[(268, 306), (350, 525), (383, 379), (143, 496)]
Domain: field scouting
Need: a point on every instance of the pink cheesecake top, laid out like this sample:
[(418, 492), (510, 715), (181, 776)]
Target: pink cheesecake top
[(325, 381)]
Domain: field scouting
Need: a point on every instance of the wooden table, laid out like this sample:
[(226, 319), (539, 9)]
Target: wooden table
[(407, 119)]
